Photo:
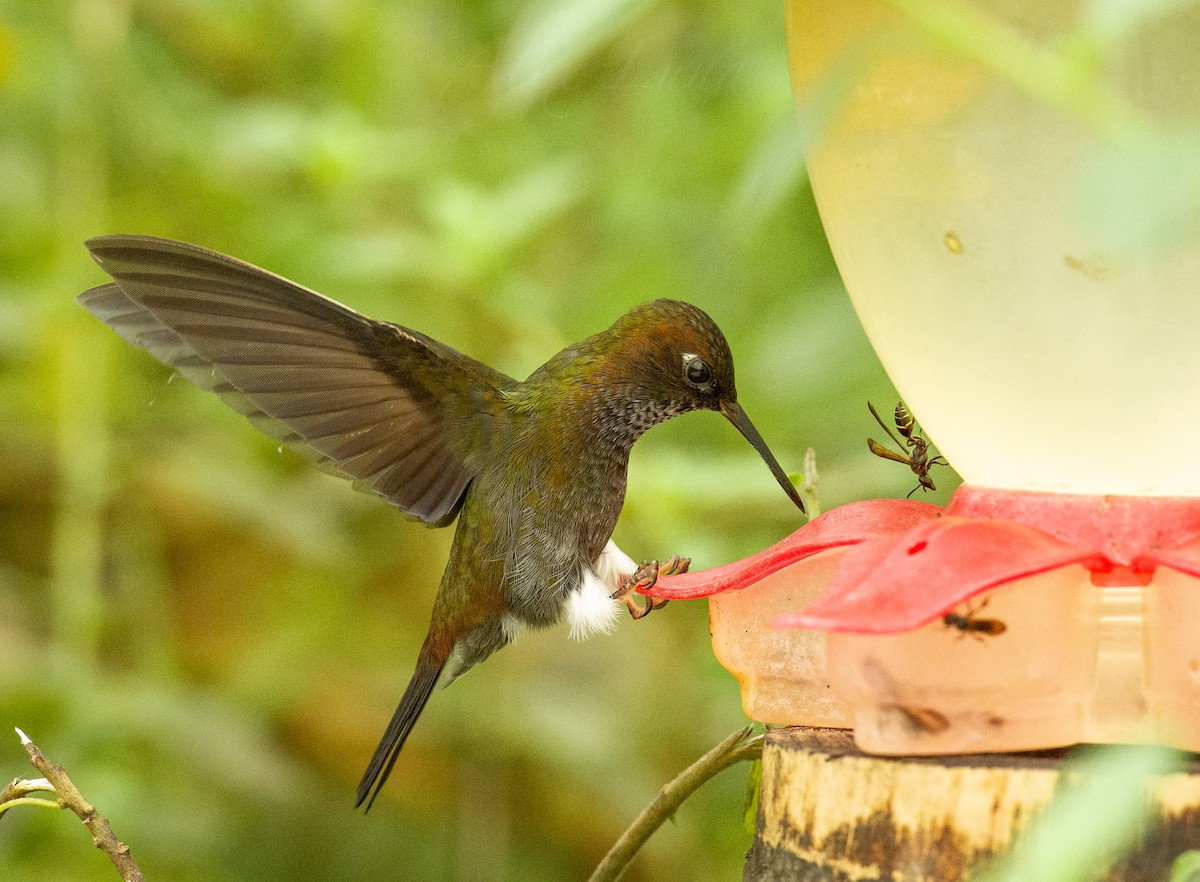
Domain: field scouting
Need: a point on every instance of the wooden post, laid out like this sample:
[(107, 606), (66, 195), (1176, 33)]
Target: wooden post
[(829, 813)]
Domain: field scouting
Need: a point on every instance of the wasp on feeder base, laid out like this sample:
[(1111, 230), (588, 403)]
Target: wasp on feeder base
[(969, 622), (914, 449)]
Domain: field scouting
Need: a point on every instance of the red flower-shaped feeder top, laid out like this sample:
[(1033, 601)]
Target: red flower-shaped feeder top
[(914, 561), (845, 525)]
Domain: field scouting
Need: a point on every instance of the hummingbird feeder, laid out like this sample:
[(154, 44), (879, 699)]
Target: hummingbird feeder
[(1018, 234)]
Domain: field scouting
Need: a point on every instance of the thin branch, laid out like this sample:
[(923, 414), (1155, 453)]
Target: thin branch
[(21, 787), (70, 797), (5, 805), (811, 479), (739, 746)]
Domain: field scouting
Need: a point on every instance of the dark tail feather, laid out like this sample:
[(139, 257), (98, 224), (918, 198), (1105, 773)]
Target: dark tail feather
[(419, 689)]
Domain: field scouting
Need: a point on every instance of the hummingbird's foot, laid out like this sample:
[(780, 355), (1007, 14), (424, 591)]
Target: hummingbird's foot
[(638, 611), (645, 577), (675, 566)]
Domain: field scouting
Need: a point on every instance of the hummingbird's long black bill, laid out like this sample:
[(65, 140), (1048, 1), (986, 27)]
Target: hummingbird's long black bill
[(734, 413)]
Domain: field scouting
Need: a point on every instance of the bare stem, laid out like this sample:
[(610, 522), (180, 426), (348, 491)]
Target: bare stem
[(811, 479), (739, 746), (69, 797), (19, 788)]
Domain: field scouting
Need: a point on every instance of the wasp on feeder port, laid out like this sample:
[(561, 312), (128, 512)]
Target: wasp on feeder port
[(914, 449)]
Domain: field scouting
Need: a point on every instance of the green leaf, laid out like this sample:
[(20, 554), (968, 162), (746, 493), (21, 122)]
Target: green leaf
[(1186, 867), (753, 792), (774, 172), (1109, 21), (547, 45)]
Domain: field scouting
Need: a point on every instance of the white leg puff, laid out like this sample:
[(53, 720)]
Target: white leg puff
[(590, 607)]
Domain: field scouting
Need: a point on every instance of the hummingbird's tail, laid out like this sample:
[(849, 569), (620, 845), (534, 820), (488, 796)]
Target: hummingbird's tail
[(420, 687)]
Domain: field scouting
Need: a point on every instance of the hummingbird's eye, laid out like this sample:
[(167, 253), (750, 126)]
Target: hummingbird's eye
[(696, 370)]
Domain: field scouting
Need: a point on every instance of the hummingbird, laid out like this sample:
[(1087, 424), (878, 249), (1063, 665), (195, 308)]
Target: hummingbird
[(534, 471)]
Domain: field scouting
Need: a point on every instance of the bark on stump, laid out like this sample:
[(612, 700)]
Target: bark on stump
[(829, 813)]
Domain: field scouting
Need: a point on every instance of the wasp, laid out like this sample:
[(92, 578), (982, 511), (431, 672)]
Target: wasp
[(914, 449), (918, 720), (969, 622)]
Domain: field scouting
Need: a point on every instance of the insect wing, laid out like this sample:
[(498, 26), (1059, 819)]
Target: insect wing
[(879, 450)]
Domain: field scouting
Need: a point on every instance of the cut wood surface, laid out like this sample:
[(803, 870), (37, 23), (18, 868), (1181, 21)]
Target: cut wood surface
[(829, 812)]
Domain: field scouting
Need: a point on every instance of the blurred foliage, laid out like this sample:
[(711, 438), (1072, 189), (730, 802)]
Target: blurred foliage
[(1186, 867), (209, 634), (1099, 813)]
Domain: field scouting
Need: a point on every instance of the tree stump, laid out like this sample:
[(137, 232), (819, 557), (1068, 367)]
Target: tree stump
[(830, 813)]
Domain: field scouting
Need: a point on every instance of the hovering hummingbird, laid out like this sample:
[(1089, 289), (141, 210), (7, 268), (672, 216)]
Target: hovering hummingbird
[(535, 471)]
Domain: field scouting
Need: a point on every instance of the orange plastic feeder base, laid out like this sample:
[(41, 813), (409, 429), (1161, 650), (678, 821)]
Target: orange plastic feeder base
[(1007, 621)]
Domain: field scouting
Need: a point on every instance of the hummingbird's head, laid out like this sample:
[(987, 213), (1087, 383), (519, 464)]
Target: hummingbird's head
[(672, 355), (670, 358)]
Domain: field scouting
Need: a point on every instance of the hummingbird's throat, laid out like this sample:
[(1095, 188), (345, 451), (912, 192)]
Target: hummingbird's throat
[(623, 418)]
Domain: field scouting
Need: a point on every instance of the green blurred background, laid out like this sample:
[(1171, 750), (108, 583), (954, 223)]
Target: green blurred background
[(210, 634)]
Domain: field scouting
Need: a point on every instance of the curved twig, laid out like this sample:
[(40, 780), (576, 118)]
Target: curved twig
[(739, 746), (69, 797)]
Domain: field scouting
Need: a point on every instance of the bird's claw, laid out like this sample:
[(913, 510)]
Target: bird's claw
[(645, 577), (675, 566)]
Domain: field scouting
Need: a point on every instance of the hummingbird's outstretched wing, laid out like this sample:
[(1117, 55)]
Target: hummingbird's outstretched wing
[(372, 401)]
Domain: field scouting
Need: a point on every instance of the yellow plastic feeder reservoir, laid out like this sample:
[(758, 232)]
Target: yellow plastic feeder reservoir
[(1012, 194)]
